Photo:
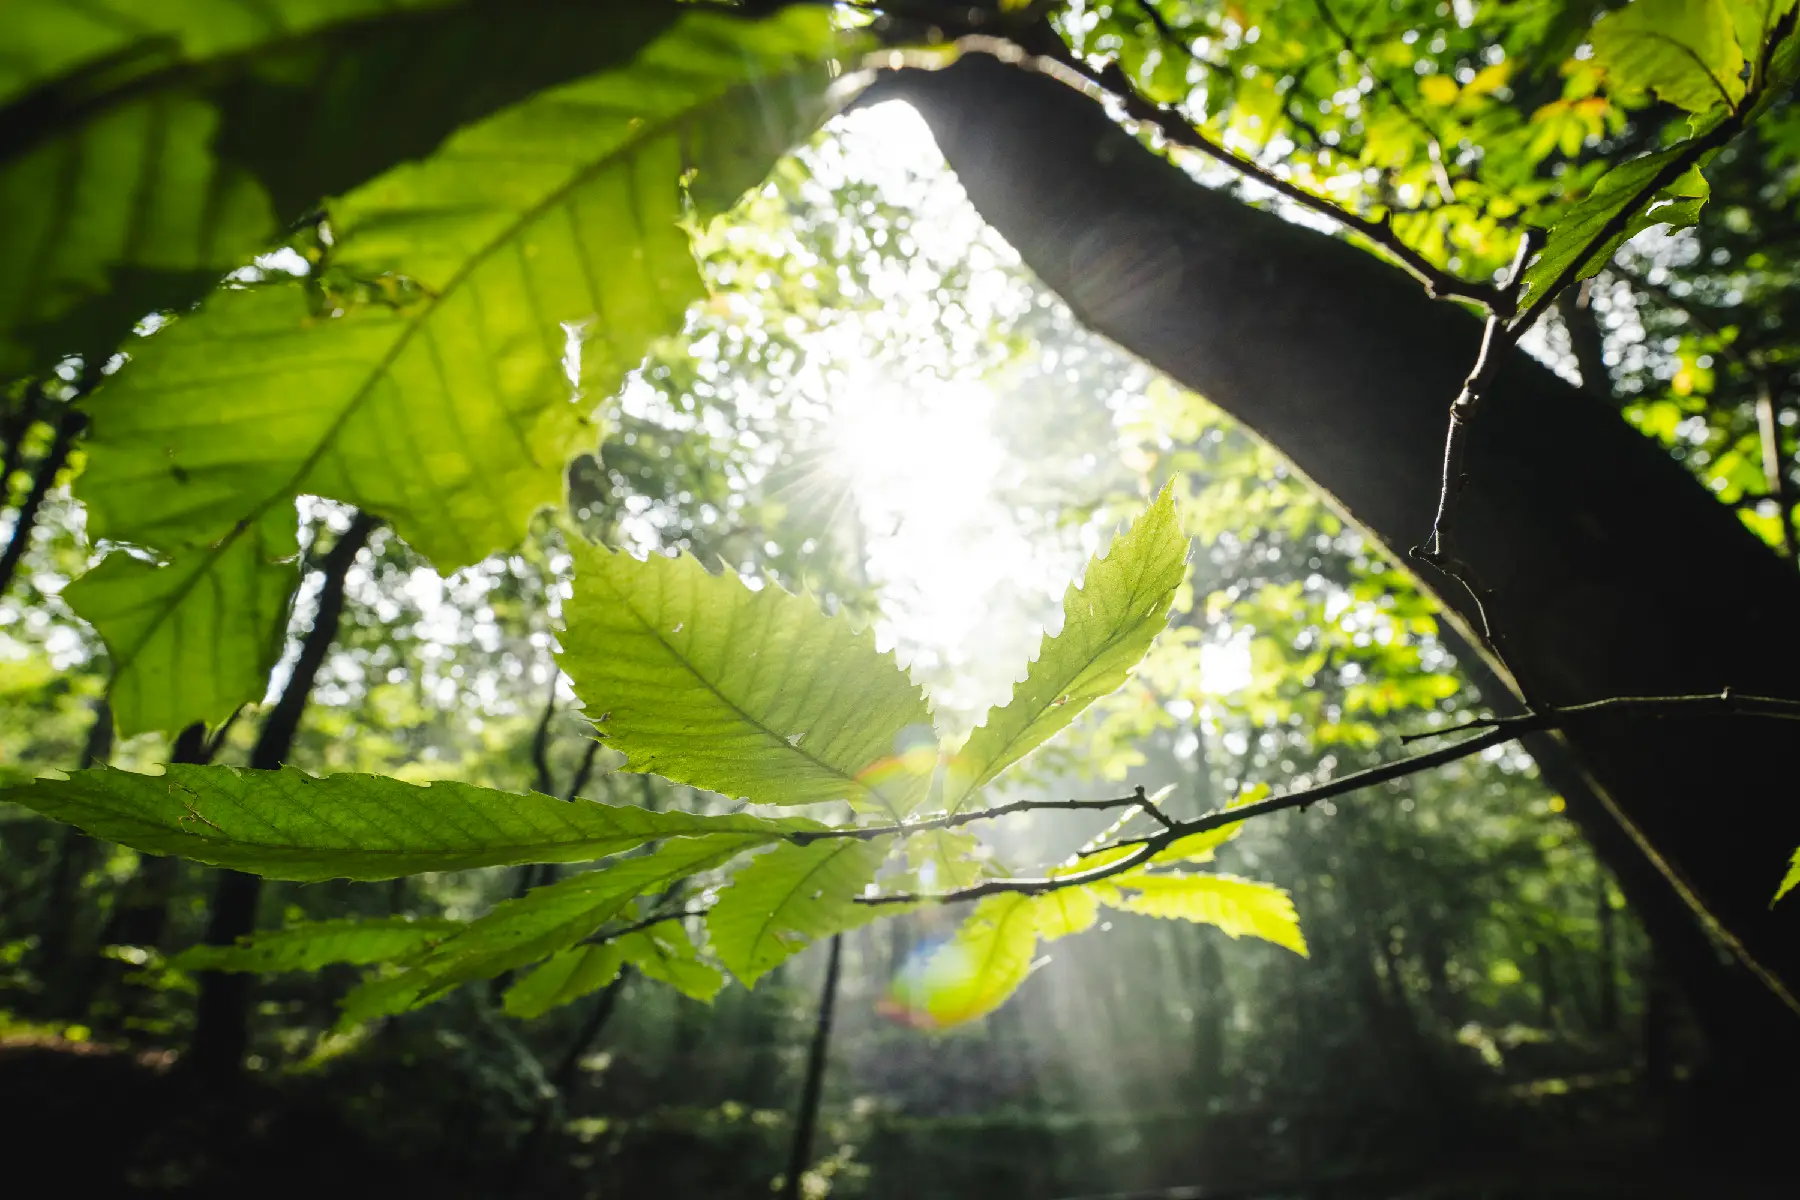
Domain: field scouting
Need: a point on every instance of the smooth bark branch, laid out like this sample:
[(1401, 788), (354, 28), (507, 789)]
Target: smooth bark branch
[(1617, 573), (221, 1015)]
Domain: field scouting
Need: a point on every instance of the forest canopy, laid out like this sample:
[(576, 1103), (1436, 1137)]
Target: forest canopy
[(657, 486)]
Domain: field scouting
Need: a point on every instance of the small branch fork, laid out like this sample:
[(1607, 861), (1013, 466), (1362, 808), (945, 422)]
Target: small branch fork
[(1488, 732)]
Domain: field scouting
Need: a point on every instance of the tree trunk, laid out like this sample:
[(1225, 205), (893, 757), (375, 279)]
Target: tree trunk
[(812, 1089), (222, 1013), (1612, 571)]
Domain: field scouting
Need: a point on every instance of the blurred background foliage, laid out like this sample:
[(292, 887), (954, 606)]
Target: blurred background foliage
[(877, 404)]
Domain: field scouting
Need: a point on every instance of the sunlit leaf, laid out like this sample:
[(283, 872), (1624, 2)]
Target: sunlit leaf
[(543, 251), (289, 825), (1791, 880), (976, 970), (753, 694), (1109, 621), (1239, 907), (149, 148), (781, 901), (310, 945), (1683, 51), (543, 922), (1636, 187), (1067, 911)]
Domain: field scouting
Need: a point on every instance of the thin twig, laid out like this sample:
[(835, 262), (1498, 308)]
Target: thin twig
[(1725, 703), (957, 820)]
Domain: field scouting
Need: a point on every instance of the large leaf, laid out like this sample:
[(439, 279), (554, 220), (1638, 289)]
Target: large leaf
[(147, 148), (310, 945), (791, 896), (1654, 189), (289, 825), (1684, 51), (450, 412), (753, 694), (1236, 906), (976, 970), (666, 954), (541, 923), (1109, 621)]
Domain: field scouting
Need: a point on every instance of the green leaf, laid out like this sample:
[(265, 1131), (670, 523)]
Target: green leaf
[(1200, 847), (148, 148), (1684, 51), (195, 635), (311, 945), (289, 825), (1791, 880), (1236, 906), (1068, 911), (753, 694), (666, 954), (1109, 621), (565, 976), (781, 901), (977, 969), (944, 859), (541, 923), (543, 251), (1654, 189)]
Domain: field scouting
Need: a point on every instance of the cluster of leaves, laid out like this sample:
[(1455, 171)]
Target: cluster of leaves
[(747, 693)]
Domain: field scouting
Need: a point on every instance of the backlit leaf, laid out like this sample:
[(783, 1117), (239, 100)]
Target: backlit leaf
[(976, 970), (1683, 51), (544, 252), (541, 923), (753, 694), (1236, 906), (289, 825), (781, 901), (565, 976), (1109, 621)]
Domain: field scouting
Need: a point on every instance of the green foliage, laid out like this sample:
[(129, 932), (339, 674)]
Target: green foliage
[(757, 694), (150, 150), (790, 896), (1682, 51), (289, 825), (544, 922), (1656, 189), (564, 977), (1791, 880), (1238, 907), (982, 965), (1109, 621), (444, 401), (314, 944)]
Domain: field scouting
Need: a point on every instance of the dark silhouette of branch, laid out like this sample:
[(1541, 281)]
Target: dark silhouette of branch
[(584, 772), (221, 1014), (17, 424), (812, 1089), (43, 478), (540, 741)]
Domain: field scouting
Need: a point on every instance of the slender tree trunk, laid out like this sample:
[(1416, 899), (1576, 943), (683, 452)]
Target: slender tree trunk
[(812, 1090), (74, 850), (42, 478), (1608, 965), (222, 1013), (1612, 571)]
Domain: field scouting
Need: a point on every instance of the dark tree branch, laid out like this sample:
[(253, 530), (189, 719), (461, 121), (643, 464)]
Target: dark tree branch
[(812, 1089), (42, 479), (221, 1015)]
